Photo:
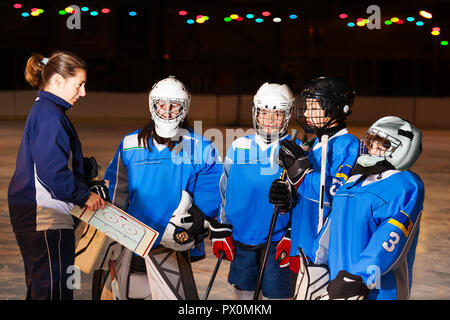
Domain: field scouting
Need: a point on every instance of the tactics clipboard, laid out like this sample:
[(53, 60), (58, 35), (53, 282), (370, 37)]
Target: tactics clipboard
[(119, 226)]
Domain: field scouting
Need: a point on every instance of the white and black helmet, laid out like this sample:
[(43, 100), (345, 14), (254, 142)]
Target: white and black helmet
[(168, 91), (273, 97), (400, 141), (334, 95)]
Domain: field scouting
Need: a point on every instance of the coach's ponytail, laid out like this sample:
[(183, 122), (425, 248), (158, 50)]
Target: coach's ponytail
[(33, 70), (39, 69)]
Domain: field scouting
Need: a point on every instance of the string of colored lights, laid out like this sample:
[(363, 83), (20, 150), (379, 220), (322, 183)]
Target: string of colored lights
[(68, 10), (234, 17), (361, 22)]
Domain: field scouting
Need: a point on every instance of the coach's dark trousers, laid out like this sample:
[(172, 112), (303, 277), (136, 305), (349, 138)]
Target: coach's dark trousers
[(47, 256)]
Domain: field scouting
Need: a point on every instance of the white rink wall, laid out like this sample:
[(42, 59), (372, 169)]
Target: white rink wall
[(234, 110)]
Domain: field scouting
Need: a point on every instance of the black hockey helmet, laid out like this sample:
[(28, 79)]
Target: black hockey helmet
[(334, 95)]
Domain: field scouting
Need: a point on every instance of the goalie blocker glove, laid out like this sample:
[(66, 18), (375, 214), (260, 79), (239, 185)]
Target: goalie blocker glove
[(99, 187), (283, 194), (293, 159), (222, 239)]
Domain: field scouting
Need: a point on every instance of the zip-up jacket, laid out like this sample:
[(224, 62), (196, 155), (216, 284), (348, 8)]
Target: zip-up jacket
[(49, 176)]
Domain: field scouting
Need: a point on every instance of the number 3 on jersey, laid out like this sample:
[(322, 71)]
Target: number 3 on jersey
[(390, 246)]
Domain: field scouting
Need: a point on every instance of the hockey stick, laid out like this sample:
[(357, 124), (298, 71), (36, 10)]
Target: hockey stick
[(323, 168), (213, 276), (269, 236), (114, 283)]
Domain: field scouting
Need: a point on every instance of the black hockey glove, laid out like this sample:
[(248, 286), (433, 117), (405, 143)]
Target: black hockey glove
[(347, 286), (293, 159), (90, 167), (283, 194), (198, 230), (99, 187)]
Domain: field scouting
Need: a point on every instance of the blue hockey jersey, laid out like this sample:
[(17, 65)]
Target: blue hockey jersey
[(342, 152), (373, 230), (148, 184), (250, 167), (49, 177)]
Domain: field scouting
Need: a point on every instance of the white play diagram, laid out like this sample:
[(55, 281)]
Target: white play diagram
[(119, 226)]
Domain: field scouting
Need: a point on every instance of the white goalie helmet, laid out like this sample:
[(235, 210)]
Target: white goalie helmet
[(392, 139), (169, 92), (273, 97)]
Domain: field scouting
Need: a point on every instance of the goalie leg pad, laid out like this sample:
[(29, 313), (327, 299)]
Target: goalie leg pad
[(312, 280), (170, 275), (138, 286)]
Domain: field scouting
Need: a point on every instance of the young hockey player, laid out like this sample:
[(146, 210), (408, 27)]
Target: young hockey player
[(370, 238), (250, 167), (50, 177), (160, 174), (324, 107)]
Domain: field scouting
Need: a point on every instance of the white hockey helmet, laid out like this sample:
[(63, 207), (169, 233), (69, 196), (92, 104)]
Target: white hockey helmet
[(169, 91), (273, 97), (392, 139)]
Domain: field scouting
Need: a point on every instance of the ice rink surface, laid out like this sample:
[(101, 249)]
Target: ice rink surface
[(431, 268)]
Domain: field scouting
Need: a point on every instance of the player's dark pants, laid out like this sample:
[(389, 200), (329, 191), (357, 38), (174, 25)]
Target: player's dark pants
[(278, 283), (47, 256)]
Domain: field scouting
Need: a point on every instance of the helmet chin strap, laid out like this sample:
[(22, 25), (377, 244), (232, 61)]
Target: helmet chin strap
[(269, 138), (328, 130), (377, 168)]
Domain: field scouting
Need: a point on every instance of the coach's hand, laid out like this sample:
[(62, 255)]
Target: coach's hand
[(95, 202)]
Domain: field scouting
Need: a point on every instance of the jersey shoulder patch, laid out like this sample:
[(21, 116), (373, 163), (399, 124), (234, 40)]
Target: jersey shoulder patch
[(131, 142), (242, 143)]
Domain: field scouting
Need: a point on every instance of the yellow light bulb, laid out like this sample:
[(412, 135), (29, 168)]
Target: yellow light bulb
[(425, 14)]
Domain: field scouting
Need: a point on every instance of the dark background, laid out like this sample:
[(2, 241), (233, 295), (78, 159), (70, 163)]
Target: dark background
[(129, 54)]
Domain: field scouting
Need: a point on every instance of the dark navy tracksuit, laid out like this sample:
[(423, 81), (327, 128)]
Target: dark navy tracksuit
[(48, 181)]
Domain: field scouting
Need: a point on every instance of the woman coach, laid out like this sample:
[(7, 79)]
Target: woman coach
[(50, 176)]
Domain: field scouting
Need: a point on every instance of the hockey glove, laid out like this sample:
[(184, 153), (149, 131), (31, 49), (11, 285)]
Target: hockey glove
[(90, 167), (293, 159), (283, 194), (185, 230), (283, 249), (347, 286), (222, 240), (199, 229), (99, 187)]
